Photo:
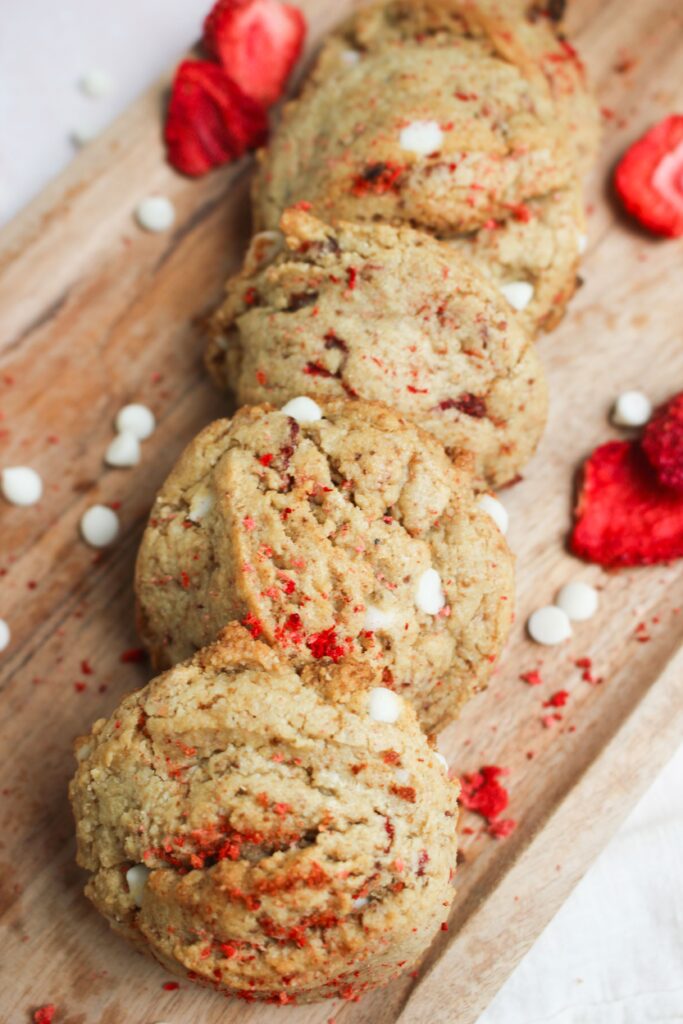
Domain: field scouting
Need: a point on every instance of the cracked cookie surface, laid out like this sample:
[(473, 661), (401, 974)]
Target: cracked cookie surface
[(390, 315), (254, 825), (318, 537)]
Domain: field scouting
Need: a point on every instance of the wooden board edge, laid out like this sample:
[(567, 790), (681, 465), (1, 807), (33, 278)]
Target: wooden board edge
[(497, 935)]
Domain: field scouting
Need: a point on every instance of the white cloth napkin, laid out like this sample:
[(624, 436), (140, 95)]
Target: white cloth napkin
[(614, 953)]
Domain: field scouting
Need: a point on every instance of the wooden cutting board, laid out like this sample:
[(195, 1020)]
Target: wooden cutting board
[(95, 313)]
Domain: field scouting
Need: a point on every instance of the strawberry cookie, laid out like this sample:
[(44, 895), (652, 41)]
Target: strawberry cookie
[(330, 529), (450, 116), (279, 834), (386, 314)]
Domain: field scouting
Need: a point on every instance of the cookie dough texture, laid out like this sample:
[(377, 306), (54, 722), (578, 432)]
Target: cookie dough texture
[(318, 537), (295, 848), (385, 314), (508, 97), (540, 245)]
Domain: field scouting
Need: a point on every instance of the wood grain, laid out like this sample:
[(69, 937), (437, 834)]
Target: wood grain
[(94, 313)]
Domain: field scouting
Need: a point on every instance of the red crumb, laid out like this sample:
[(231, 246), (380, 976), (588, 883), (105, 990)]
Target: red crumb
[(482, 793), (253, 624), (170, 986), (45, 1014), (133, 654), (503, 828), (533, 677), (558, 700), (86, 667), (327, 645)]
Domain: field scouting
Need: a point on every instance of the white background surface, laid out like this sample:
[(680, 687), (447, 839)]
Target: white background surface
[(614, 953)]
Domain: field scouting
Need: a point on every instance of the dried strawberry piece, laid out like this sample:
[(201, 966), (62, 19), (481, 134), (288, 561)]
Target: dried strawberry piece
[(210, 120), (258, 42), (482, 793), (649, 178), (45, 1014), (663, 443), (624, 515)]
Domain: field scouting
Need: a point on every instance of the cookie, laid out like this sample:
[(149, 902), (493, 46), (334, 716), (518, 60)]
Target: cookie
[(385, 314), (446, 115), (539, 248), (441, 114), (350, 534), (278, 834)]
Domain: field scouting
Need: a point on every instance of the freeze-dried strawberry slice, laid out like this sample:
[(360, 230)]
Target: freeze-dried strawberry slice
[(624, 515), (210, 121), (258, 42), (649, 178), (663, 443)]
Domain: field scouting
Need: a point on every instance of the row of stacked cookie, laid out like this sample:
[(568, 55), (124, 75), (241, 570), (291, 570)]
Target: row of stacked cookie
[(276, 823)]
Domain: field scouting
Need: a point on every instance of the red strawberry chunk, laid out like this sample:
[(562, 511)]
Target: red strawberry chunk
[(649, 178), (624, 515), (258, 42), (663, 443), (210, 120)]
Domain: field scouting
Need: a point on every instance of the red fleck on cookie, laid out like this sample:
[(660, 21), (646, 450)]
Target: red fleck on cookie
[(624, 515), (210, 120), (258, 42), (663, 443), (649, 178)]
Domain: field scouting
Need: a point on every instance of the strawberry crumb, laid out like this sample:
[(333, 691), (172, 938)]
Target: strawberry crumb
[(533, 677), (44, 1014), (170, 986), (133, 654), (483, 794), (503, 828), (558, 700)]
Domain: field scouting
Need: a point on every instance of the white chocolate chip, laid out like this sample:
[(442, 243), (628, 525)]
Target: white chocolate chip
[(581, 242), (421, 137), (518, 293), (99, 526), (549, 625), (136, 879), (429, 596), (303, 410), (96, 83), (377, 618), (123, 451), (578, 600), (384, 705), (156, 213), (21, 485), (442, 760), (359, 902), (5, 635), (402, 776), (496, 509), (201, 502), (350, 57), (138, 419), (631, 409)]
